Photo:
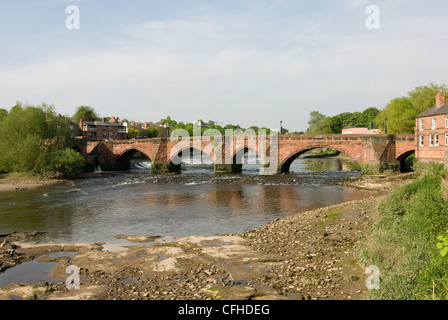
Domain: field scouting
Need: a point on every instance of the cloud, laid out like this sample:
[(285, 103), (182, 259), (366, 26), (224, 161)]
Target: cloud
[(236, 70)]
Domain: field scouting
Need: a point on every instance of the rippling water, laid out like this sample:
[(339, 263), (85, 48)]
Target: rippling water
[(195, 202)]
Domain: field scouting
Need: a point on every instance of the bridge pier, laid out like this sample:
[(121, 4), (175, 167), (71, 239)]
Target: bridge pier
[(228, 168)]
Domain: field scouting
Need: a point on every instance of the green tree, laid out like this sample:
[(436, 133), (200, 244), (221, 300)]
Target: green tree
[(3, 114), (84, 112), (424, 97), (151, 132), (28, 134), (368, 117), (323, 127), (63, 163), (315, 117), (400, 115), (172, 123)]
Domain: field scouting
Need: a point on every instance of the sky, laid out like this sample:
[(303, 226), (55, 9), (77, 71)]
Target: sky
[(246, 62)]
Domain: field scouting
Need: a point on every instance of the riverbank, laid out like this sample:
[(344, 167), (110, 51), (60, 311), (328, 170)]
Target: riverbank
[(19, 182), (305, 256)]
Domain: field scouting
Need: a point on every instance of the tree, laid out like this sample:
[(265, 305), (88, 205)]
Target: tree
[(151, 132), (84, 112), (3, 114), (28, 134), (324, 126), (400, 115), (424, 97), (172, 123), (133, 133), (315, 117), (368, 117)]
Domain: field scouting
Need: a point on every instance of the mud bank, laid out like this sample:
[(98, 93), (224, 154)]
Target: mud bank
[(11, 182), (305, 256)]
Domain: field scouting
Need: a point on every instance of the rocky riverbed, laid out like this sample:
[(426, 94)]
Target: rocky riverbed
[(305, 256)]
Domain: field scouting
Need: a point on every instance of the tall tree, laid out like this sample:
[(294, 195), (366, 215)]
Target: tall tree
[(84, 112), (368, 117), (3, 114), (400, 115), (315, 117), (424, 97)]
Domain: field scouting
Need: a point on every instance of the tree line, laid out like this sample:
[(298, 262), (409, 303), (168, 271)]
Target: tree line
[(37, 140), (398, 115)]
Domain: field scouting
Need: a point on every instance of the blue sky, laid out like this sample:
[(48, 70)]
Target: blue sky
[(247, 62)]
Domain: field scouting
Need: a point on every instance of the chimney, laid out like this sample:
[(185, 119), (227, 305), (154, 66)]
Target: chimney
[(440, 99)]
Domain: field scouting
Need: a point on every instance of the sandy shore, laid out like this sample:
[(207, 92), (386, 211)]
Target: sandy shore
[(13, 182), (306, 256)]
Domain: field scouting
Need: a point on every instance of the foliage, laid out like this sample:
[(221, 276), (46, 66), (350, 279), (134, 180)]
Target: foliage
[(133, 133), (424, 97), (443, 244), (3, 114), (400, 115), (315, 118), (334, 125), (151, 132), (84, 112), (64, 163), (29, 135), (402, 243)]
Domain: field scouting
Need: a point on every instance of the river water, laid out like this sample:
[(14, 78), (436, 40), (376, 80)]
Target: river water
[(194, 202)]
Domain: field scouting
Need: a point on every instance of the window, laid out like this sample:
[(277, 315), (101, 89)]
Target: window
[(446, 122), (436, 140), (446, 139), (431, 140), (422, 139), (433, 127), (421, 124)]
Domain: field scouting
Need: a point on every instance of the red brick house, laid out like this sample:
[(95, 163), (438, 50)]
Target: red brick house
[(94, 130), (431, 131)]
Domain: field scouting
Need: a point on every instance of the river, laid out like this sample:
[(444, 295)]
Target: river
[(194, 202)]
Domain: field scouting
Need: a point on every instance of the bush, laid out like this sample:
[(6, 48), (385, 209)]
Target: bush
[(66, 163)]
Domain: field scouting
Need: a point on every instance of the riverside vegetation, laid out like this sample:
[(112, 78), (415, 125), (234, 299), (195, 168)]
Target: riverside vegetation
[(36, 141), (403, 241)]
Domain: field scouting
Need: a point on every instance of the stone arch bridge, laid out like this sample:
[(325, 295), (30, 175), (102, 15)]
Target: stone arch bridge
[(277, 152)]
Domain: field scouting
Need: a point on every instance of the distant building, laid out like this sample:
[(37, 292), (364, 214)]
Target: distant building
[(360, 131), (99, 130), (431, 131)]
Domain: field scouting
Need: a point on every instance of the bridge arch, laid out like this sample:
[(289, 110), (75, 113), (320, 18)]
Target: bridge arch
[(404, 166), (237, 157), (285, 165), (178, 158), (127, 154)]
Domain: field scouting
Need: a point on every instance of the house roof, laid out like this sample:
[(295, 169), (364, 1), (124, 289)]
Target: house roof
[(434, 111), (101, 123)]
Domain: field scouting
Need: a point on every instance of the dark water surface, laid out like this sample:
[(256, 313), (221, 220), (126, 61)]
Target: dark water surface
[(195, 202)]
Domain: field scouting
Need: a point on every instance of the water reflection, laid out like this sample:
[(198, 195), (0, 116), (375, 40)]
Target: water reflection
[(96, 209)]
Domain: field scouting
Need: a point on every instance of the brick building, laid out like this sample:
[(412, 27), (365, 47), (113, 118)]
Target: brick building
[(431, 131), (360, 131), (95, 130)]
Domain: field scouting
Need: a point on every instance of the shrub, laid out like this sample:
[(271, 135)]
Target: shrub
[(65, 163)]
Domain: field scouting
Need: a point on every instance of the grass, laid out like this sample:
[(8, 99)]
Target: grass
[(402, 243), (331, 217)]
